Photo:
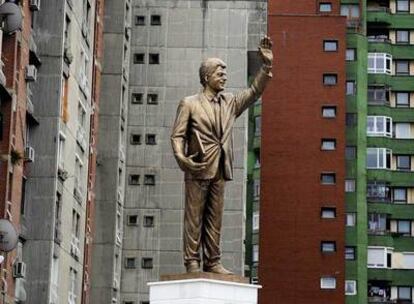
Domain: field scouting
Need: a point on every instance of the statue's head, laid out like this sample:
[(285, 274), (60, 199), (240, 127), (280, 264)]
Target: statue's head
[(213, 67)]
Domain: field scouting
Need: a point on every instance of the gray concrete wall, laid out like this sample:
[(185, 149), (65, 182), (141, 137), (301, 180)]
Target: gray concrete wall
[(189, 32), (106, 267)]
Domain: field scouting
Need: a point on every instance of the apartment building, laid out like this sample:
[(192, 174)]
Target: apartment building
[(19, 62), (336, 165), (59, 188), (109, 207)]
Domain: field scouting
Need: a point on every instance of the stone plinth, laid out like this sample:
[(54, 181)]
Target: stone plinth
[(202, 288)]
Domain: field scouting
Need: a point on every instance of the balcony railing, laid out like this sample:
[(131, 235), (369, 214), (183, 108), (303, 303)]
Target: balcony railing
[(378, 9), (379, 38)]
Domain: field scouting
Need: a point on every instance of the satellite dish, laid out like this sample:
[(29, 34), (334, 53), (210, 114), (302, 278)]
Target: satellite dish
[(11, 17), (8, 236)]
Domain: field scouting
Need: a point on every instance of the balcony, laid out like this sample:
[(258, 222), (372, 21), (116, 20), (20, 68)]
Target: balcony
[(380, 300), (397, 83), (379, 15), (396, 178), (399, 146), (397, 114), (378, 44)]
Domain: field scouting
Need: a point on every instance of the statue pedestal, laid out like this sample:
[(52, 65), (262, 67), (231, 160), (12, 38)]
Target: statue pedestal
[(202, 288)]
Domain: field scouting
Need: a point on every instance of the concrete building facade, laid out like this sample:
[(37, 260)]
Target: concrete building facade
[(109, 207), (57, 211)]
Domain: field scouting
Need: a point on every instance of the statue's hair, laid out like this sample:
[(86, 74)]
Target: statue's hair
[(208, 67)]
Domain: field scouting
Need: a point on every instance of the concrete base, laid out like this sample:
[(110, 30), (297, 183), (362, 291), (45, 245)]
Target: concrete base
[(202, 291)]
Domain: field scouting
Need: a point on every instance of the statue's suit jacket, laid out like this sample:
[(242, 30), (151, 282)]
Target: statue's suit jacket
[(194, 113)]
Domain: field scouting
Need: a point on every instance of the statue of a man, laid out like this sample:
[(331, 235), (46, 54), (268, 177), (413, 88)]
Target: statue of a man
[(203, 147)]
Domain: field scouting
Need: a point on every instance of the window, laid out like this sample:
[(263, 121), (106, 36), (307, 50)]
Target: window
[(135, 139), (378, 95), (404, 162), (378, 191), (255, 220), (328, 178), (403, 37), (379, 257), (152, 99), (330, 79), (350, 219), (257, 159), (73, 285), (350, 11), (139, 58), (328, 246), (350, 287), (408, 260), (328, 144), (379, 63), (139, 20), (402, 99), (130, 263), (136, 98), (350, 152), (325, 7), (350, 119), (133, 179), (329, 111), (149, 179), (404, 227), (350, 88), (402, 67), (132, 220), (154, 58), (350, 54), (150, 139), (379, 126), (399, 195), (349, 185), (328, 283), (378, 158), (155, 20), (350, 253), (256, 188), (257, 125), (402, 130), (403, 6), (148, 221), (147, 263), (330, 45), (404, 293), (328, 212), (377, 223), (255, 255)]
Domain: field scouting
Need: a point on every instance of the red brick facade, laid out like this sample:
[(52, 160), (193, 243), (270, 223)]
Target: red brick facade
[(291, 228)]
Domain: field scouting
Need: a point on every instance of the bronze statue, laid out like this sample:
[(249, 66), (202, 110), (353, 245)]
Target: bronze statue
[(203, 147)]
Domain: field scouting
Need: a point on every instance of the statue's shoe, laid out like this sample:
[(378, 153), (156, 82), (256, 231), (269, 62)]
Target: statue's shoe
[(218, 268), (193, 267)]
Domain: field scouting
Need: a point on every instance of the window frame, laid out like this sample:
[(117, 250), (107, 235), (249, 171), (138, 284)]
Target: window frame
[(398, 41), (331, 142), (329, 108), (325, 78), (398, 104), (400, 168), (139, 58), (353, 283), (399, 10), (350, 185), (328, 250), (324, 285), (402, 73), (321, 4), (400, 201), (354, 54), (381, 153), (328, 209), (385, 121), (386, 60), (330, 42), (328, 174), (350, 91), (155, 22), (140, 20)]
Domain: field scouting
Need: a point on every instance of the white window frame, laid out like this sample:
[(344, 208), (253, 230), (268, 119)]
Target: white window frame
[(402, 134), (376, 120), (256, 220), (385, 252), (324, 284), (350, 185), (381, 155), (354, 287), (350, 219), (382, 57), (404, 263)]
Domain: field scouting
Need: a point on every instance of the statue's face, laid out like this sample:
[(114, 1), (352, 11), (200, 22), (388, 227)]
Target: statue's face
[(217, 80)]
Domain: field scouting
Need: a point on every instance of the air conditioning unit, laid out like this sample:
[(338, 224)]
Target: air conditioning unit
[(19, 270), (29, 154), (34, 5), (31, 72), (62, 173)]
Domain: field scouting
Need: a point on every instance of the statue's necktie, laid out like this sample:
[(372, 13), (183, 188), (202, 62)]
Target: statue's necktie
[(216, 106)]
